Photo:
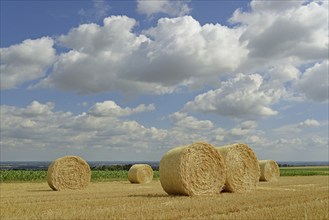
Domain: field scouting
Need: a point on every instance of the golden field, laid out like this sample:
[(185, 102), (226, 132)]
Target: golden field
[(305, 197)]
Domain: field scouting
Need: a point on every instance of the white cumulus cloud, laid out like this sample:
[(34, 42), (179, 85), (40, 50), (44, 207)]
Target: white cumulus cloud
[(26, 61), (110, 108), (297, 128), (314, 82), (169, 7), (239, 97), (40, 126), (183, 120), (177, 52), (281, 29), (309, 123), (99, 10)]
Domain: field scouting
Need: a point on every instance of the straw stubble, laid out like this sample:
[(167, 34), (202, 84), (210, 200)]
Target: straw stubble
[(195, 169)]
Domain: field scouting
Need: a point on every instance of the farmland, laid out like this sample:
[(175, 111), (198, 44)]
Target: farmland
[(298, 197), (304, 171), (115, 175), (41, 175)]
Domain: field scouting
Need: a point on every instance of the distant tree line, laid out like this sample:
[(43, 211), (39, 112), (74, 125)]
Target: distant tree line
[(285, 165), (115, 167), (112, 167)]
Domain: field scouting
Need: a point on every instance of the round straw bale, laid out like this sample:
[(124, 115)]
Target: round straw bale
[(242, 167), (269, 170), (69, 172), (140, 173), (195, 169)]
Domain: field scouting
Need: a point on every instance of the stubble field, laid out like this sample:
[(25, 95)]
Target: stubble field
[(293, 197)]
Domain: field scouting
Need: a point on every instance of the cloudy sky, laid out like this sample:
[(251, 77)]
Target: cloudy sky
[(128, 80)]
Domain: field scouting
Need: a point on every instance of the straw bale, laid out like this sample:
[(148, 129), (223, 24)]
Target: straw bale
[(140, 173), (69, 172), (242, 167), (269, 170), (195, 169)]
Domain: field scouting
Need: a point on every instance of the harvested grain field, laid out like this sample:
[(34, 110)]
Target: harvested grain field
[(290, 198)]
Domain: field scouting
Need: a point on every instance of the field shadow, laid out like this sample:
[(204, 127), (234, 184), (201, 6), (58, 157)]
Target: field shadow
[(152, 196), (40, 190), (155, 196)]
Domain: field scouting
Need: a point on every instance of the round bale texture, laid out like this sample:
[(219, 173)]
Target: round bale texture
[(195, 169), (243, 170), (140, 173), (69, 172), (269, 170)]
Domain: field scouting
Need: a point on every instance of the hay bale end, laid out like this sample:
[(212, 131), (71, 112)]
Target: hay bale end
[(68, 172), (140, 173), (269, 170), (195, 169), (242, 167)]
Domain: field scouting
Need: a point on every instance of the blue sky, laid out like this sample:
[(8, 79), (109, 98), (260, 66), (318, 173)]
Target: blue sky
[(128, 80)]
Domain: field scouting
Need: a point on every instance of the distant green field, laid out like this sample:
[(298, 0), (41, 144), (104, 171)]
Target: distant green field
[(304, 171), (115, 175), (22, 175), (41, 175), (108, 175)]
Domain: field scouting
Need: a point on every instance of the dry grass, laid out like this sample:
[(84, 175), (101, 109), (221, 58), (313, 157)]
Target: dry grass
[(69, 172), (195, 169), (242, 167), (140, 173), (269, 170), (289, 198)]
